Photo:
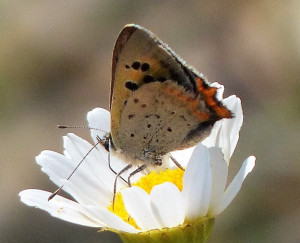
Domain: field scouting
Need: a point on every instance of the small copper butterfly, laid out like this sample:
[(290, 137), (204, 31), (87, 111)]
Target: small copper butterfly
[(158, 103)]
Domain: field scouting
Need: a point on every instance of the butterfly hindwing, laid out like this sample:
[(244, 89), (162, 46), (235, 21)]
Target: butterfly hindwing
[(158, 103)]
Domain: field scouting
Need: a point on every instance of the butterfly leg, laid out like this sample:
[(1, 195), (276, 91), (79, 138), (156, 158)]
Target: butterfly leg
[(139, 169), (127, 167), (105, 142), (109, 165), (177, 163)]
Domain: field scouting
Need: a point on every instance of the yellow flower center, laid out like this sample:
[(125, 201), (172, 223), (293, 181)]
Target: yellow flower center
[(147, 183)]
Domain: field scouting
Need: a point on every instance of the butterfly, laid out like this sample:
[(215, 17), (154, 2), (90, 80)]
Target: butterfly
[(158, 103)]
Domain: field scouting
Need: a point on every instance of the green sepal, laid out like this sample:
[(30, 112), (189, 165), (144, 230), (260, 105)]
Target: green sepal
[(193, 232)]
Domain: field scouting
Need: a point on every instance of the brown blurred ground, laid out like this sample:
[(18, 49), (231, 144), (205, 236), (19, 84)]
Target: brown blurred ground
[(55, 59)]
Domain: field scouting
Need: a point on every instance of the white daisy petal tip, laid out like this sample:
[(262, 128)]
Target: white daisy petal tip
[(250, 161), (99, 122), (225, 133), (97, 114), (137, 204), (233, 188), (58, 207), (167, 205)]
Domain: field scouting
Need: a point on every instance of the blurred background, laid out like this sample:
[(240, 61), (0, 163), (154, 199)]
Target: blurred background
[(55, 66)]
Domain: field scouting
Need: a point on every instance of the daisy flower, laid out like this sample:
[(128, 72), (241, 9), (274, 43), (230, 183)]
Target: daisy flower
[(164, 205)]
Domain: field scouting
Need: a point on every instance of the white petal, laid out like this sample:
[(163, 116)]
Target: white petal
[(219, 171), (137, 204), (167, 205), (55, 165), (58, 207), (88, 193), (93, 180), (225, 133), (234, 186), (100, 119), (59, 167), (94, 166), (182, 156), (197, 183), (233, 126), (110, 219)]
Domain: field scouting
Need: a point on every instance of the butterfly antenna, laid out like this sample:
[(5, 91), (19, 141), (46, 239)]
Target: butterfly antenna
[(59, 189), (84, 127)]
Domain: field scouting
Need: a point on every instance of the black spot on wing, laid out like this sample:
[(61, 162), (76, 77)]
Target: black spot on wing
[(145, 67), (148, 79), (131, 85), (136, 65), (162, 79)]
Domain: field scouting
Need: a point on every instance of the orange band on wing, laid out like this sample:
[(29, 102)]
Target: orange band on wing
[(192, 103), (209, 95)]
